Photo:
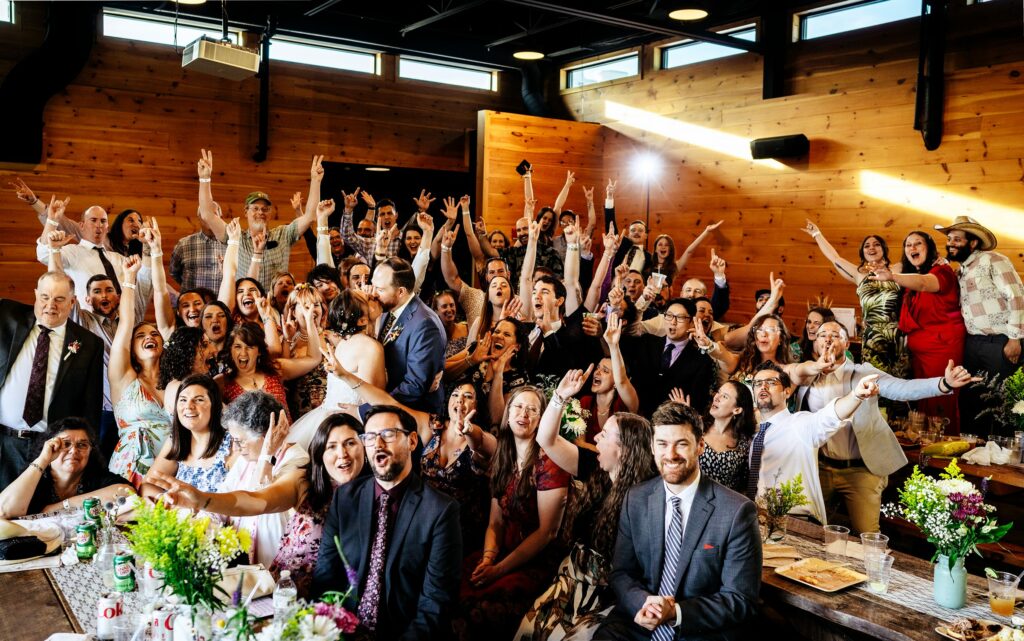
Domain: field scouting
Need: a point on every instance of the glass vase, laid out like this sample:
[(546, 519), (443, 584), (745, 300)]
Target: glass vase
[(193, 623), (950, 583)]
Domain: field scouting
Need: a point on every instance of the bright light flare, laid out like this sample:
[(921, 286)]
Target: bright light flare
[(718, 141), (646, 166)]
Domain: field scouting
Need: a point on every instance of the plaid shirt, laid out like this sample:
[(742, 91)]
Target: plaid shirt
[(364, 246), (275, 256), (198, 261), (991, 296)]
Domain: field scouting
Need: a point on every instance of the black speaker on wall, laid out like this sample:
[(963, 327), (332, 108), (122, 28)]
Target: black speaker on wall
[(792, 146)]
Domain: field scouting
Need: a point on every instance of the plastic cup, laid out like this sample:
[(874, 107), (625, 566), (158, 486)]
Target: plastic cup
[(1002, 592), (124, 627), (874, 543), (878, 567), (835, 543)]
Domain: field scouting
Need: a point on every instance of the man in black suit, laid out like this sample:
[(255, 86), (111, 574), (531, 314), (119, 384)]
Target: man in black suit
[(413, 338), (558, 343), (401, 537), (687, 562), (662, 363), (50, 368)]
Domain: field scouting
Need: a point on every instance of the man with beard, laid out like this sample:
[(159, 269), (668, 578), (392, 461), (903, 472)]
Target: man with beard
[(992, 304), (362, 240), (413, 338), (856, 462), (401, 539), (258, 207), (786, 444), (687, 560), (198, 259)]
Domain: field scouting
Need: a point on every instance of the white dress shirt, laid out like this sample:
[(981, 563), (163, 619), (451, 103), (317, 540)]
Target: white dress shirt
[(15, 389), (791, 448), (685, 502), (81, 262)]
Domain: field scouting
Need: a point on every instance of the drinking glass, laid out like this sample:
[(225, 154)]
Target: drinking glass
[(1002, 593), (68, 524), (879, 570), (874, 543), (835, 543)]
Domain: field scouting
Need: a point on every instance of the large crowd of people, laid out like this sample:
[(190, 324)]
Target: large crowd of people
[(561, 439)]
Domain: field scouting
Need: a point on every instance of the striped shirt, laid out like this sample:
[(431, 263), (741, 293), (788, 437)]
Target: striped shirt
[(198, 261)]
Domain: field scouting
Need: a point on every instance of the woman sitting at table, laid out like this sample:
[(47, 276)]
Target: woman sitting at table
[(335, 457), (198, 448), (571, 606), (68, 470)]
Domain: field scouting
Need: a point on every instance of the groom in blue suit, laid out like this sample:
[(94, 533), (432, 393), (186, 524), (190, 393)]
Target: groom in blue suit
[(413, 338), (687, 561)]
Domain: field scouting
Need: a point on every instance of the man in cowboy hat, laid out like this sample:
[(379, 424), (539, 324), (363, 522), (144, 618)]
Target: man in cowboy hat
[(992, 304)]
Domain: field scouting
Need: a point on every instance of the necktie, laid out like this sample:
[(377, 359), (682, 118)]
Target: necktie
[(385, 327), (108, 269), (667, 587), (756, 449), (369, 602), (37, 379), (666, 356)]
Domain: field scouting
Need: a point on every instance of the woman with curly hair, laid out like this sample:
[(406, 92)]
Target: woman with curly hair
[(573, 603), (123, 233), (528, 492), (188, 351), (135, 390), (308, 391), (217, 324)]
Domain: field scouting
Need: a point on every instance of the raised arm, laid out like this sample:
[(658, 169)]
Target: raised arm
[(448, 268), (701, 237), (915, 282), (564, 454), (161, 297), (611, 245), (450, 212), (358, 244), (563, 195), (207, 209), (119, 369), (473, 230), (529, 262), (324, 209), (845, 268), (316, 176), (623, 386), (591, 213), (573, 298), (421, 261), (737, 338), (226, 295)]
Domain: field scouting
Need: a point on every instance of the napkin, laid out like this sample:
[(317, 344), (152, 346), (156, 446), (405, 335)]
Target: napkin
[(255, 577), (991, 454)]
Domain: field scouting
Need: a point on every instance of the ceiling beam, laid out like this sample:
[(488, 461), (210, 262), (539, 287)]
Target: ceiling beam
[(321, 7), (530, 32), (444, 15), (640, 25)]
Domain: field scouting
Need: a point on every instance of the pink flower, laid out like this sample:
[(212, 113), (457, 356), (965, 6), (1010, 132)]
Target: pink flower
[(345, 620), (73, 348)]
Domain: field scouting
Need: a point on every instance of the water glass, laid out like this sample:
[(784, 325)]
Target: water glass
[(68, 524), (1002, 593), (874, 543), (835, 543), (879, 570), (124, 628)]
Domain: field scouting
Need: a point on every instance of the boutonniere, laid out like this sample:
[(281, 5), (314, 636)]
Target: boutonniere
[(393, 333), (73, 349)]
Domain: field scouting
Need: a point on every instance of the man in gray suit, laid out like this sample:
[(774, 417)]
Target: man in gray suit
[(856, 462), (687, 561)]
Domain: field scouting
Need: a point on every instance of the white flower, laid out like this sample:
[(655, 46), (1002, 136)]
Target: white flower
[(318, 628), (1018, 407), (951, 486)]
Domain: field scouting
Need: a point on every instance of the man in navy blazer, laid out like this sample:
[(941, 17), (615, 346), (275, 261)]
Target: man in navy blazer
[(401, 538), (687, 562), (413, 338), (73, 372)]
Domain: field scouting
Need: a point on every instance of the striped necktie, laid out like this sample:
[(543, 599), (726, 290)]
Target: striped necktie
[(667, 587), (756, 450)]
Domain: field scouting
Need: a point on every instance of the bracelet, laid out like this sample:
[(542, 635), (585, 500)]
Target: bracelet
[(205, 180), (232, 242), (256, 260), (128, 285), (572, 246), (36, 465), (357, 385), (446, 249), (816, 234), (265, 458), (208, 499), (55, 251), (322, 228), (556, 399), (943, 383), (53, 222), (66, 503), (35, 199), (156, 255)]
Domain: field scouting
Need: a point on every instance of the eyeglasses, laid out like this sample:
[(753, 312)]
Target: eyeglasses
[(529, 410), (79, 446), (240, 441), (766, 382), (832, 337), (767, 330), (388, 435), (677, 318)]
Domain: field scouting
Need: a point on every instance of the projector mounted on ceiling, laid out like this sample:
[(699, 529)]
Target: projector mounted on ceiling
[(221, 59)]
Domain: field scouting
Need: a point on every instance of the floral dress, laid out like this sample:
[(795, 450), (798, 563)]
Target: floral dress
[(142, 427), (307, 392), (883, 344), (300, 546), (209, 477), (464, 479), (730, 468)]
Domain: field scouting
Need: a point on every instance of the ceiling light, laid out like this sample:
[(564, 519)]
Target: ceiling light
[(528, 55), (688, 15), (646, 166), (378, 169), (190, 1)]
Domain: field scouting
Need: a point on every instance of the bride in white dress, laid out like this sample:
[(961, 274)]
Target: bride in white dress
[(348, 327)]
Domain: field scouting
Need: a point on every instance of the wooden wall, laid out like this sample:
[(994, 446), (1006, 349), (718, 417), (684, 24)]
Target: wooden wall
[(853, 96), (127, 133)]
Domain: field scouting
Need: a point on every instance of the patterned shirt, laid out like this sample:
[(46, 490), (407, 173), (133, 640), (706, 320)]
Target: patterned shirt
[(198, 261), (991, 296), (364, 246), (275, 256), (105, 327)]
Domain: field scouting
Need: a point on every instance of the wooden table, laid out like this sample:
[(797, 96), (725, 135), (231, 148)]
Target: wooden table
[(30, 607), (1011, 475), (850, 613)]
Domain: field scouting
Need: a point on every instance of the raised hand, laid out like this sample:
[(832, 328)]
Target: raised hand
[(424, 200), (22, 191), (277, 432), (448, 240), (512, 308), (259, 242), (480, 227), (233, 230), (451, 210), (615, 296), (572, 382), (55, 210), (264, 308), (534, 230), (529, 207), (368, 199), (57, 239), (718, 264), (570, 178), (776, 285), (289, 324), (811, 229), (867, 387), (132, 265), (703, 342), (572, 231), (324, 209), (586, 244), (677, 395), (958, 376), (588, 193), (713, 226), (621, 271), (464, 203), (205, 165), (296, 201), (316, 170), (153, 237), (611, 243), (350, 200), (425, 222), (591, 324), (613, 332), (609, 190)]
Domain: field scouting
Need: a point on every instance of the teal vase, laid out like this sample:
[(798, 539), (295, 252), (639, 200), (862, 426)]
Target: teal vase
[(950, 583)]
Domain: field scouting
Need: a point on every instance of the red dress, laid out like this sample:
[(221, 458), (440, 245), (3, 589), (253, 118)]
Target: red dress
[(589, 403), (272, 384), (935, 334)]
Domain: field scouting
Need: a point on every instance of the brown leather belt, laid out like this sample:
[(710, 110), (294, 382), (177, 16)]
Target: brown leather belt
[(841, 464), (26, 434)]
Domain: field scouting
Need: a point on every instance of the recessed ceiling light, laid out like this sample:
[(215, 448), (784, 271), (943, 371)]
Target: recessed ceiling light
[(378, 169), (190, 1), (528, 55), (688, 15)]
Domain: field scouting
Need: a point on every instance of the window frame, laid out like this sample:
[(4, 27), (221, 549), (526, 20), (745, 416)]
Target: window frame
[(800, 18), (493, 73), (565, 72), (10, 18), (663, 50), (323, 44), (213, 27)]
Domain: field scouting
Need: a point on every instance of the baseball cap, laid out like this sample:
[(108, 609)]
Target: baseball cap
[(257, 195)]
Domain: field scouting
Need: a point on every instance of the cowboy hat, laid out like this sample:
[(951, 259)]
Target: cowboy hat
[(971, 226)]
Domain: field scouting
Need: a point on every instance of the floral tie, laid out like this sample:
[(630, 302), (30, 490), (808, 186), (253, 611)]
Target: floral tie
[(369, 602)]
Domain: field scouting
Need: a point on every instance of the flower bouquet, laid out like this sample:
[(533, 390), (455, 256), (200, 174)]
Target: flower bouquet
[(191, 553), (775, 503), (953, 516), (1004, 400), (573, 423)]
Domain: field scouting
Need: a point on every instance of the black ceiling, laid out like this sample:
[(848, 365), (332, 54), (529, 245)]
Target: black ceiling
[(484, 31)]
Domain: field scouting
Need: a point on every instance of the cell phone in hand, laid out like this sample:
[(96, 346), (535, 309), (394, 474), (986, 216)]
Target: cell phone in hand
[(523, 167)]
